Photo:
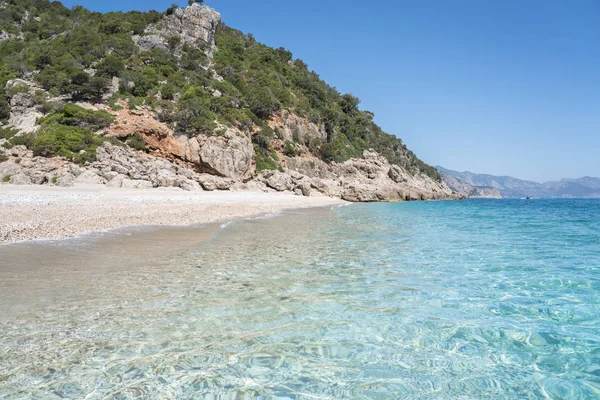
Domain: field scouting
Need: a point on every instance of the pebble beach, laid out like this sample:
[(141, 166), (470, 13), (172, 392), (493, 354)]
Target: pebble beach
[(45, 212)]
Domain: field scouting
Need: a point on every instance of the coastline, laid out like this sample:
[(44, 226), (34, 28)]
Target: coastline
[(47, 212)]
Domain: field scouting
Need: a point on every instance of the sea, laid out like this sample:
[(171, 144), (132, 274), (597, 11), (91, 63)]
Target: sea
[(475, 299)]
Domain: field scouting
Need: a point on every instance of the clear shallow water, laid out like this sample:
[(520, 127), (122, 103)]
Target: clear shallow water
[(437, 300)]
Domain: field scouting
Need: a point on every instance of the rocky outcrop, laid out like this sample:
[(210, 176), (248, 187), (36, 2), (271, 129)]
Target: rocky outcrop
[(195, 25), (23, 168), (115, 166), (23, 110), (229, 155), (292, 127), (150, 41), (370, 178)]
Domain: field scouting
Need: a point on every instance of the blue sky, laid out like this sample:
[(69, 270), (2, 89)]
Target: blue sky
[(506, 87)]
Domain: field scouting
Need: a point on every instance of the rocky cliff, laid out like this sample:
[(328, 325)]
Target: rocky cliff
[(198, 123)]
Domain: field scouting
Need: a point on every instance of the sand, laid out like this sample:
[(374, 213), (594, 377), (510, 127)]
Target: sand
[(47, 212)]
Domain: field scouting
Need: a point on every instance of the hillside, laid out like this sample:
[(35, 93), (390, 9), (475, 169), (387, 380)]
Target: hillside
[(183, 86), (507, 186), (467, 189)]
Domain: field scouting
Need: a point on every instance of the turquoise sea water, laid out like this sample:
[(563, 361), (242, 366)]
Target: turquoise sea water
[(480, 299)]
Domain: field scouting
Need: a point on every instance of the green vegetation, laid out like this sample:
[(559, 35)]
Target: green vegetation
[(7, 133), (76, 144), (265, 79), (60, 46), (265, 160), (3, 157), (73, 115), (136, 142), (6, 178)]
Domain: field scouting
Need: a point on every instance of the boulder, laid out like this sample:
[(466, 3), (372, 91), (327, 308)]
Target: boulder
[(211, 182), (66, 179), (117, 181), (279, 181), (360, 193), (25, 100), (304, 188), (20, 179), (165, 178), (8, 169), (19, 151), (190, 185), (136, 184), (230, 157), (90, 177)]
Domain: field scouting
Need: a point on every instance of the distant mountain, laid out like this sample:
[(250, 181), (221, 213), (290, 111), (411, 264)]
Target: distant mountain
[(467, 189), (507, 186)]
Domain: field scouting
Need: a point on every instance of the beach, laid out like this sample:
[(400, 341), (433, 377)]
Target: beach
[(46, 212)]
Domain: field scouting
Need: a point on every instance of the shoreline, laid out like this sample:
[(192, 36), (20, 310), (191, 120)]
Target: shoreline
[(33, 212)]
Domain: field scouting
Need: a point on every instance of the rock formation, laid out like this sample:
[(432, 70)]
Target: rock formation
[(194, 25), (23, 110), (115, 166), (229, 155)]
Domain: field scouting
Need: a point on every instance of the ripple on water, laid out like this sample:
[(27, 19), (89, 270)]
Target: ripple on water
[(437, 300)]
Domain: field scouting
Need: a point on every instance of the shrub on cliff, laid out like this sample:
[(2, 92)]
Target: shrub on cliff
[(73, 115), (194, 116), (265, 159), (76, 144), (136, 142)]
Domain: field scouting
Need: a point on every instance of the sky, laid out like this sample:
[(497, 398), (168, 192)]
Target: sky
[(506, 87)]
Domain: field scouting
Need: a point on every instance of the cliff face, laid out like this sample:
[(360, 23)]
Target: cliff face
[(194, 26), (202, 114)]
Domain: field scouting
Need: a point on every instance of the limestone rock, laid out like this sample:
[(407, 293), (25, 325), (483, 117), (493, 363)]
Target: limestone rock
[(149, 42), (136, 184), (25, 100), (397, 174), (166, 178), (65, 180), (229, 157), (190, 185), (90, 177), (279, 181), (117, 181), (20, 179), (291, 127), (211, 182), (195, 25), (192, 24), (304, 188), (23, 111)]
